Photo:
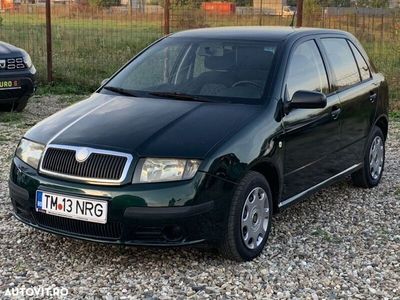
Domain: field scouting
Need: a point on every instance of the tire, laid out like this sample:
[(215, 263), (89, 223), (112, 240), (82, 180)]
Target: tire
[(234, 245), (16, 106), (370, 175), (20, 105)]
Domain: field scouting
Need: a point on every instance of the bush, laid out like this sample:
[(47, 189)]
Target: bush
[(311, 12), (186, 4), (104, 3), (185, 20)]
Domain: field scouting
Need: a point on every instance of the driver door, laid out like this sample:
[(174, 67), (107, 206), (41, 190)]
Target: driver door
[(311, 135)]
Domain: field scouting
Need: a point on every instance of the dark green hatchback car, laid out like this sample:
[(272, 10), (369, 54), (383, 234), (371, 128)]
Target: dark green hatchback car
[(204, 135)]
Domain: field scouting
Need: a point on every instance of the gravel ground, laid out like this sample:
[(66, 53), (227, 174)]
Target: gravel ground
[(343, 242)]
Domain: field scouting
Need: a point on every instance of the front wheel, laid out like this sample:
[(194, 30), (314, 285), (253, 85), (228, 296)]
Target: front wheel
[(373, 163), (20, 105), (16, 106), (249, 221)]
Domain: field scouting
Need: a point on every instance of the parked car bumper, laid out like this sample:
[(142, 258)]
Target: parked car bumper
[(27, 79), (163, 214)]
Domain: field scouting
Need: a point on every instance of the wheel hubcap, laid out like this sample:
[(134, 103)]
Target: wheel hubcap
[(255, 218), (376, 157)]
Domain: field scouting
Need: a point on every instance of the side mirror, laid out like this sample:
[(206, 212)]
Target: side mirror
[(104, 81), (307, 99)]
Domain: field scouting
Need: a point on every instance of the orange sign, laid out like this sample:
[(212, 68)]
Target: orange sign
[(6, 4), (219, 7)]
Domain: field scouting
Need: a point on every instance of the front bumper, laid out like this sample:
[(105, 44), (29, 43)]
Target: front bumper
[(27, 79), (163, 214)]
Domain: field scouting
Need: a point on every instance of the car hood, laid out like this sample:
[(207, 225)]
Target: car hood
[(144, 126), (6, 50)]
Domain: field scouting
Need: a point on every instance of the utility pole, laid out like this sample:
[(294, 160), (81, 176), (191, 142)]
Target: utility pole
[(167, 5), (299, 20), (49, 43)]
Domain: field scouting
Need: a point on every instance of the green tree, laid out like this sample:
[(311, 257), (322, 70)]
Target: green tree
[(243, 2), (186, 3), (310, 7), (311, 12), (379, 3), (104, 3), (372, 3), (335, 3)]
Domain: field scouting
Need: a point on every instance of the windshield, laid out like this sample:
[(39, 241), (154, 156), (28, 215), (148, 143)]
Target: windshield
[(203, 70)]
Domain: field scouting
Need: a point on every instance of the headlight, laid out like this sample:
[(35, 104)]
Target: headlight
[(30, 152), (27, 60), (163, 169)]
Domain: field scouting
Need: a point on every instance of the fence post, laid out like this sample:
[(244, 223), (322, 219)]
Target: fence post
[(167, 6), (49, 43), (382, 25), (299, 20)]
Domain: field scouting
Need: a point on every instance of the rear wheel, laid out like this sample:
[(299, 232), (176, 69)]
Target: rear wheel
[(374, 161), (249, 221)]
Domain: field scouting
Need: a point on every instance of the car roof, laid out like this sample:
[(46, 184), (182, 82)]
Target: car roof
[(266, 33)]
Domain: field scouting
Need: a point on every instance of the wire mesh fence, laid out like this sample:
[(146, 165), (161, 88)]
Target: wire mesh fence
[(91, 39), (88, 43)]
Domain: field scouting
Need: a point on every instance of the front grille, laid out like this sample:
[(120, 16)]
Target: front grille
[(110, 230), (12, 63), (98, 166)]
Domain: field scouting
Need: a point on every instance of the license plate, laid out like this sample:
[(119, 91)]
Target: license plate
[(72, 207), (10, 85)]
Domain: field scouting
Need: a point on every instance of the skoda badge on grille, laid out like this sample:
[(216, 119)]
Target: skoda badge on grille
[(82, 154), (2, 63)]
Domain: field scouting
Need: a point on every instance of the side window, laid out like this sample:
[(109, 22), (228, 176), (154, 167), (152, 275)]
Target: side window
[(362, 64), (342, 61), (306, 70)]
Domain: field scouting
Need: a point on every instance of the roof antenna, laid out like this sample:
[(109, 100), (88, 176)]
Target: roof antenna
[(294, 15)]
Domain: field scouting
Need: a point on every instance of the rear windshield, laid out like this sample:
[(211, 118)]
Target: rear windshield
[(220, 70)]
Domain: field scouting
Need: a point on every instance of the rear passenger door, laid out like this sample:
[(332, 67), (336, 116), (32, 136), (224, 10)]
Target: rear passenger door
[(357, 91), (311, 135)]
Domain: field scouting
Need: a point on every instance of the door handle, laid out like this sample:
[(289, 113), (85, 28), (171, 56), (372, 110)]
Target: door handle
[(336, 112), (372, 96)]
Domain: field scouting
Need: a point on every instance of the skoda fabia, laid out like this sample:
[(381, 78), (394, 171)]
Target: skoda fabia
[(202, 136)]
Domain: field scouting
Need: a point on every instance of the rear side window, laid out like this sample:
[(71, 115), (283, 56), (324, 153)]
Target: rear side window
[(342, 61), (306, 70), (362, 64)]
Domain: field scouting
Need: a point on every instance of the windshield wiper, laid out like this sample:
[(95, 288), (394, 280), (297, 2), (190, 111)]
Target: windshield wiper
[(121, 91), (180, 96)]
